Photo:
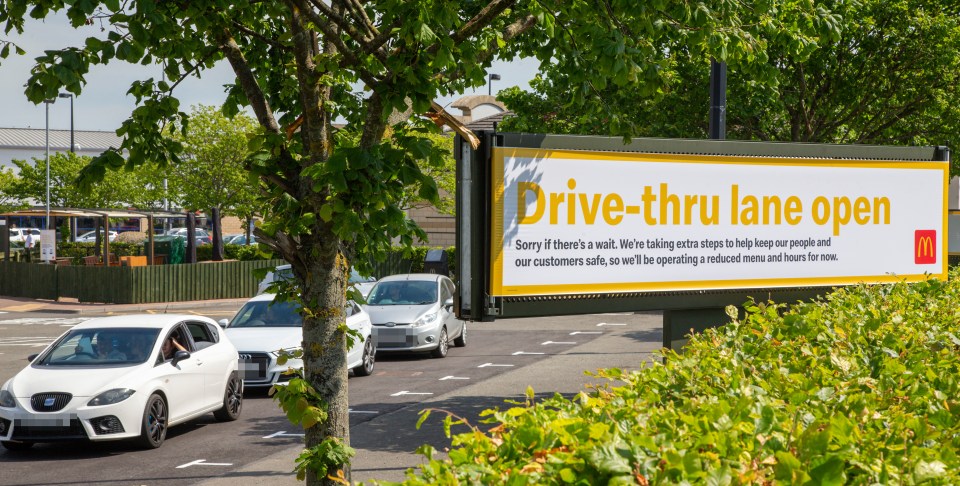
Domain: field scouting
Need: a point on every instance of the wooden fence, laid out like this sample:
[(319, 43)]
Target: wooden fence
[(132, 285)]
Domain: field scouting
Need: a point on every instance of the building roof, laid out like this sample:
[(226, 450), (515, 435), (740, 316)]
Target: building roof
[(488, 123), (35, 138)]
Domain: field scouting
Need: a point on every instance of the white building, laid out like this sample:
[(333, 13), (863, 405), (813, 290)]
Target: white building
[(27, 143)]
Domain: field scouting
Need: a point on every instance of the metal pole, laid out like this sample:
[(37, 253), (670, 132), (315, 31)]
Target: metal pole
[(718, 100), (72, 144), (46, 223)]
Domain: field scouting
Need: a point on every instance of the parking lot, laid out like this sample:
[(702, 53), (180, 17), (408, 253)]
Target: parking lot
[(501, 360)]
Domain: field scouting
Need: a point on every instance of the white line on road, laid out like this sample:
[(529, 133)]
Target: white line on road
[(203, 462), (451, 377), (556, 342), (518, 353), (404, 392), (574, 333), (362, 411), (282, 433), (609, 324), (491, 364)]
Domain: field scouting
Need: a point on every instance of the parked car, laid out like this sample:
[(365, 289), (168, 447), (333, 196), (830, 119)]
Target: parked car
[(263, 327), (200, 235), (19, 235), (284, 272), (414, 312), (240, 239), (108, 379), (91, 236)]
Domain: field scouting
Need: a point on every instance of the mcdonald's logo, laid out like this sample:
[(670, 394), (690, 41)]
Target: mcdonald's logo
[(925, 247)]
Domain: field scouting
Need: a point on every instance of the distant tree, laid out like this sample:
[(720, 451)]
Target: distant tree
[(213, 173), (443, 175), (890, 77), (8, 201), (119, 189)]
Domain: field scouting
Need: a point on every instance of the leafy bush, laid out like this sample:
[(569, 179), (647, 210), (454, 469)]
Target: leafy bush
[(861, 387)]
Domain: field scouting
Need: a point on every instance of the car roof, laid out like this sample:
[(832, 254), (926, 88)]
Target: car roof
[(428, 277), (264, 296), (153, 321)]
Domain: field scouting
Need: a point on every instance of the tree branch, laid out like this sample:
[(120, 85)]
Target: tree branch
[(248, 82)]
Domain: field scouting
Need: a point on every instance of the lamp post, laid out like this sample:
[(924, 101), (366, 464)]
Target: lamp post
[(490, 79), (69, 95), (49, 102)]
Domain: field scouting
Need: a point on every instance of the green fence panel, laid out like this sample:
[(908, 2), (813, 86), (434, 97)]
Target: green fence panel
[(29, 280)]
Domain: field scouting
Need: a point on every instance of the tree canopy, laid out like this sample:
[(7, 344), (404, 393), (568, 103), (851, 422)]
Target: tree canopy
[(332, 196)]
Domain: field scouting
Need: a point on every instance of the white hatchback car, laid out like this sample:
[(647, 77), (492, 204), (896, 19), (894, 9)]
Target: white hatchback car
[(263, 327), (109, 379)]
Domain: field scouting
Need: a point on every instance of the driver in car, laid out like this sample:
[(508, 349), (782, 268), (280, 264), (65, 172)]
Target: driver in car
[(106, 349)]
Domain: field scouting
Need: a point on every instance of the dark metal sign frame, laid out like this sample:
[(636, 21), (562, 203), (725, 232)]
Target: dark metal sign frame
[(474, 207)]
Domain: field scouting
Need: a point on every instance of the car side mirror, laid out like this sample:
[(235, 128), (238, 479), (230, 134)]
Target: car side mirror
[(223, 323), (448, 303), (180, 356), (32, 357)]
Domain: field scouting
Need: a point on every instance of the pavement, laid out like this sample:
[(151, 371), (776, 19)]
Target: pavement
[(384, 450)]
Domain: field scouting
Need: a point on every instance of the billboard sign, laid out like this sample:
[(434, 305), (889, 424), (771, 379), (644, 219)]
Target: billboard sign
[(575, 222)]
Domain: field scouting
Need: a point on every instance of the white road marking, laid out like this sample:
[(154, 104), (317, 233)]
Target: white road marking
[(574, 333), (203, 462), (282, 433), (404, 392), (2, 312), (556, 342), (485, 365), (36, 342), (518, 353), (451, 377), (361, 411), (45, 321), (609, 324)]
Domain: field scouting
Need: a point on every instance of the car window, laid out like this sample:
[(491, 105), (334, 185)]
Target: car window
[(181, 337), (200, 333), (100, 347), (262, 314), (403, 292)]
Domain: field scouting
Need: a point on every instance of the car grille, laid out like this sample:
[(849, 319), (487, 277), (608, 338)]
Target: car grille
[(254, 366), (106, 425), (25, 430), (50, 402)]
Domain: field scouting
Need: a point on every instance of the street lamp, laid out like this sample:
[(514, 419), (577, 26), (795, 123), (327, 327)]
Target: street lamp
[(490, 79), (69, 95), (47, 132)]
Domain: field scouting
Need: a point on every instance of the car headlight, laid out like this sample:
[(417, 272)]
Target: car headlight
[(426, 320), (110, 397), (6, 399)]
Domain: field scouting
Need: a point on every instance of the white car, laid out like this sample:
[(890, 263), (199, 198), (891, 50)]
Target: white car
[(91, 236), (19, 235), (263, 327), (108, 379), (284, 272), (414, 312)]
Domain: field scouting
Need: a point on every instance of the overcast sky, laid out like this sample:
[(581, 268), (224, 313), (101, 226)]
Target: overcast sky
[(104, 104)]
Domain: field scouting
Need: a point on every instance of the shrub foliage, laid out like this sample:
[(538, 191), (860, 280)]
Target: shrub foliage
[(860, 387)]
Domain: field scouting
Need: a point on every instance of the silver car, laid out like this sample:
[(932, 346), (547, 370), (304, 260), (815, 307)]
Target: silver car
[(414, 312)]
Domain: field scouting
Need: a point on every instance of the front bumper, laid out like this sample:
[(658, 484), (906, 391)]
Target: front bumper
[(75, 421), (405, 338)]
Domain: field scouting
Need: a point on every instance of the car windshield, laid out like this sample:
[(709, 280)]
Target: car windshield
[(403, 292), (356, 278), (267, 313), (101, 347)]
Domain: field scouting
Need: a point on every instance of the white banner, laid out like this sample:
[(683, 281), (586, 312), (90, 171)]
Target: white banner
[(583, 222)]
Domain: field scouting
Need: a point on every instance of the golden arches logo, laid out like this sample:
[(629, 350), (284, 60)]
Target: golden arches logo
[(925, 246)]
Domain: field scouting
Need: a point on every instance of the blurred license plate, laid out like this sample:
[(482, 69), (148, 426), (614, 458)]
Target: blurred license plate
[(392, 336)]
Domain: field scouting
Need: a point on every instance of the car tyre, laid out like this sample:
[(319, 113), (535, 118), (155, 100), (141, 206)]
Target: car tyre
[(153, 429), (232, 400), (442, 345), (368, 361), (16, 446), (461, 340)]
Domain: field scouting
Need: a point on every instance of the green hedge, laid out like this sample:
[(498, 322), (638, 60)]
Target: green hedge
[(859, 388)]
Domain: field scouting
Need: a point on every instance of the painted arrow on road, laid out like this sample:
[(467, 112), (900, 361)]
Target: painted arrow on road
[(282, 433), (485, 365), (518, 353), (556, 342), (451, 377), (609, 324), (203, 462), (574, 333), (404, 392)]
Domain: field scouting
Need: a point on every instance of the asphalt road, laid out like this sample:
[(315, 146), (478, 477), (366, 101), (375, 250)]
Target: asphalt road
[(500, 361)]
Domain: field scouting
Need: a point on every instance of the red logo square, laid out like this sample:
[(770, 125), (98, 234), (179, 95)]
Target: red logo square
[(925, 247)]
